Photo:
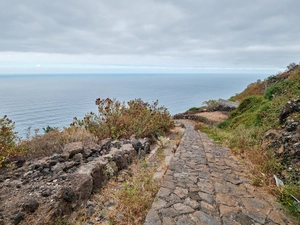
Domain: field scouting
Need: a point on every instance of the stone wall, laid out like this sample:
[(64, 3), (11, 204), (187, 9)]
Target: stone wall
[(41, 191)]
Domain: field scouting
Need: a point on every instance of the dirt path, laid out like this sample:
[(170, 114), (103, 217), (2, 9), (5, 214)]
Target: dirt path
[(205, 184), (215, 117)]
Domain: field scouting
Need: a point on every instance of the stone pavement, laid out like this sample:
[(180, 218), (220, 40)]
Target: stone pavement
[(205, 184)]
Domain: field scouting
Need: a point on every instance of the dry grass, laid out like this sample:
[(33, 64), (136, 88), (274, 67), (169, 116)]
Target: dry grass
[(214, 117), (125, 203), (54, 141)]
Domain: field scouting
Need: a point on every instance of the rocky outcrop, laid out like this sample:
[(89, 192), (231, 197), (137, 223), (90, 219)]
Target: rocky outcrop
[(285, 144), (290, 108), (225, 106), (41, 191)]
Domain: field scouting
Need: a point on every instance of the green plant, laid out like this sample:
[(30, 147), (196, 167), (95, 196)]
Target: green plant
[(288, 195), (8, 140), (163, 141), (210, 104), (116, 119), (193, 109), (48, 129)]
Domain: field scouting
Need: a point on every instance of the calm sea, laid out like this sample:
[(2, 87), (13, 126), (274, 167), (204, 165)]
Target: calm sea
[(39, 100)]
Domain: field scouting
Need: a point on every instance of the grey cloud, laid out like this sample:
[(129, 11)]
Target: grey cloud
[(190, 32)]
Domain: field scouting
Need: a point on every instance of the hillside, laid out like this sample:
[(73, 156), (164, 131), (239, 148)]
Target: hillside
[(265, 130)]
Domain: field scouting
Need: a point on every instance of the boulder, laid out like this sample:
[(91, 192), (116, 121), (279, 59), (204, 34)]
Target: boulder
[(72, 148), (225, 105)]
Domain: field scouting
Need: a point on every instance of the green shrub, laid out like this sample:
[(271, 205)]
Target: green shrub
[(8, 139), (49, 128), (193, 109), (210, 104), (116, 119)]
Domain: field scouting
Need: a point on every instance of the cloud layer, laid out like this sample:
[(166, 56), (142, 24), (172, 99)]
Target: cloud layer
[(150, 33)]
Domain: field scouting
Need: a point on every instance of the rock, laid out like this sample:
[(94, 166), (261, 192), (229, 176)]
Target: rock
[(18, 218), (145, 145), (90, 210), (87, 152), (20, 162), (290, 108), (93, 147), (116, 144), (136, 144), (291, 125), (82, 185), (95, 170), (30, 205), (59, 184), (120, 160), (46, 193), (105, 144), (72, 148), (225, 105), (68, 194), (78, 157)]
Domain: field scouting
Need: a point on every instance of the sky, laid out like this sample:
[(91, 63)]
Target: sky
[(99, 36)]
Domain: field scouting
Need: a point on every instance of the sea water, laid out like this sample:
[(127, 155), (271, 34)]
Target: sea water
[(39, 100)]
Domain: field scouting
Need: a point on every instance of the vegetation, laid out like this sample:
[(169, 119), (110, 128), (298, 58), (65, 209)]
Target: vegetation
[(116, 119), (261, 103), (8, 139), (54, 141), (206, 105)]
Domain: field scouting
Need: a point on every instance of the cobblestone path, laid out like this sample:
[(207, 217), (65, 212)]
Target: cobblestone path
[(205, 184)]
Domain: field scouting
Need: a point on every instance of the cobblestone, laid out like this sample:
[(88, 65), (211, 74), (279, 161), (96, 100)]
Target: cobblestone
[(206, 184)]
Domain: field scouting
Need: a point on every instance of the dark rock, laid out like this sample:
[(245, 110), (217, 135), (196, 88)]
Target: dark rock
[(136, 144), (68, 194), (116, 144), (18, 218), (145, 145), (30, 205), (291, 125), (51, 163), (20, 162), (46, 192), (290, 108), (120, 160), (88, 223), (105, 144)]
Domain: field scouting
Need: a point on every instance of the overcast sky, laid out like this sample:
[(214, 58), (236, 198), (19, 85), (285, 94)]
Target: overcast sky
[(148, 35)]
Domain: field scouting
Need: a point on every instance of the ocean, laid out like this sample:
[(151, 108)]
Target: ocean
[(39, 100)]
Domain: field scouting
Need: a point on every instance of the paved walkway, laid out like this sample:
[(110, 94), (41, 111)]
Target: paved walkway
[(205, 184)]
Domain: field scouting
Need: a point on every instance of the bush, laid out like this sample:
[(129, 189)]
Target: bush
[(8, 139), (210, 104), (49, 128), (194, 109), (116, 119)]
